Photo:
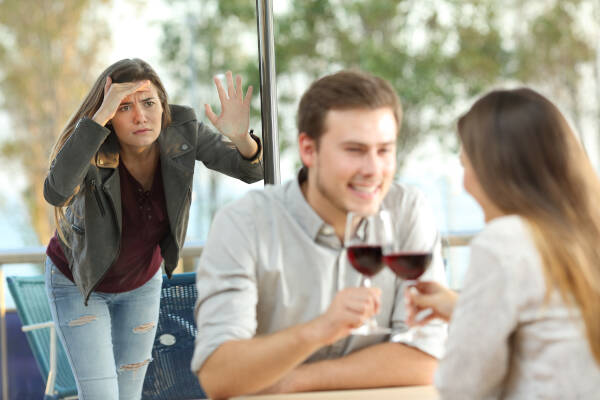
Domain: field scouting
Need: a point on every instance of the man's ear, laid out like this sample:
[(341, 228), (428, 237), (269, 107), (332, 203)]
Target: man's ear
[(308, 149)]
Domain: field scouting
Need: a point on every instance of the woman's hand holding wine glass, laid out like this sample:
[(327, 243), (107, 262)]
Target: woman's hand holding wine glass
[(429, 296)]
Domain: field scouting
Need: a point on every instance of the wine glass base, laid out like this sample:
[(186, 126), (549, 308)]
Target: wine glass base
[(406, 336), (368, 329), (410, 334)]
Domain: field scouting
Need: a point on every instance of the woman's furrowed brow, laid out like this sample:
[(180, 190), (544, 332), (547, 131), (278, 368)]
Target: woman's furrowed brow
[(145, 99)]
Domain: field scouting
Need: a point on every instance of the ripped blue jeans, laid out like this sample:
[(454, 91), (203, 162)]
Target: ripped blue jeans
[(109, 342)]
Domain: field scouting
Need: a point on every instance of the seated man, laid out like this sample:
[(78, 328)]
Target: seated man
[(276, 297)]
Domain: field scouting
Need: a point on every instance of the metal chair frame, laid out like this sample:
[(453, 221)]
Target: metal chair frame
[(36, 344)]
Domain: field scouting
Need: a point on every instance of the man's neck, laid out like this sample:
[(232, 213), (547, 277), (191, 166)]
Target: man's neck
[(331, 215)]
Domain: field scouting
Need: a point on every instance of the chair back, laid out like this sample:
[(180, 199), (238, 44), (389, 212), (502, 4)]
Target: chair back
[(169, 376), (31, 300)]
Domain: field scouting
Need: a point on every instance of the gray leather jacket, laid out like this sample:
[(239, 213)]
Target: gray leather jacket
[(89, 159)]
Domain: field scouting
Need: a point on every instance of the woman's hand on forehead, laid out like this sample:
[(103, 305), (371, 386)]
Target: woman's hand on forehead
[(114, 93)]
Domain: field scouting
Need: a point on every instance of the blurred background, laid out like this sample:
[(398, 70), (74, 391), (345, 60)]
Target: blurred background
[(439, 54)]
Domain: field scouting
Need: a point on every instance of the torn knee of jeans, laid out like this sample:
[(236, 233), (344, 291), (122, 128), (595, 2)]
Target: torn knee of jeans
[(84, 319), (144, 328), (134, 366)]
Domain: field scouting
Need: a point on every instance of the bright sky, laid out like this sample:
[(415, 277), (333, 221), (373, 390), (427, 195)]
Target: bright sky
[(136, 30)]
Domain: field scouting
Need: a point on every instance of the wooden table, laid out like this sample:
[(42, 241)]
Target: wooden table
[(398, 393)]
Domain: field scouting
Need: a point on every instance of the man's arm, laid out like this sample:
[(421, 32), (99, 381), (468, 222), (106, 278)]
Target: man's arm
[(382, 365), (257, 363)]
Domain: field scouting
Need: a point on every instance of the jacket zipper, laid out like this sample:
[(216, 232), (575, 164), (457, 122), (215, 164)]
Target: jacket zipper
[(97, 196)]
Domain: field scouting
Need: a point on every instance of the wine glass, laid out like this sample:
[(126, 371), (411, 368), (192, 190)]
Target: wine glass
[(363, 240), (409, 261)]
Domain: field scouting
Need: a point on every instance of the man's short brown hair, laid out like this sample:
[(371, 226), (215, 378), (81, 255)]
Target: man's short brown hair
[(344, 90)]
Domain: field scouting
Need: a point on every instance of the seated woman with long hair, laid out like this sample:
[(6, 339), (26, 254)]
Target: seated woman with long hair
[(527, 323)]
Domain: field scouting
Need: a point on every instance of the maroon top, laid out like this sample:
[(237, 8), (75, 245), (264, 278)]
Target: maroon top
[(145, 223)]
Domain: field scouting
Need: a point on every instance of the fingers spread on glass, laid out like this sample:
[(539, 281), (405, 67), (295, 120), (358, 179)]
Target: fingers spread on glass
[(234, 119)]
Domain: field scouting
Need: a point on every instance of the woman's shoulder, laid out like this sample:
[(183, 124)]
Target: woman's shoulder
[(183, 127), (181, 114), (508, 229), (508, 241)]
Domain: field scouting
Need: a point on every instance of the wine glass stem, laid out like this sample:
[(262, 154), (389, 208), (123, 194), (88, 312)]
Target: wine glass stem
[(365, 281)]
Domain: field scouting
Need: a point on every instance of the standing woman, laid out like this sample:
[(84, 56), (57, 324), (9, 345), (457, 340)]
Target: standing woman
[(527, 323), (120, 180)]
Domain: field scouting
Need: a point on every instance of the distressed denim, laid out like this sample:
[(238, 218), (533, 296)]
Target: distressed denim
[(109, 341)]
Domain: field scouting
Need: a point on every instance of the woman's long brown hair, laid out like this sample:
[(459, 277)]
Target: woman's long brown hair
[(530, 163), (127, 70)]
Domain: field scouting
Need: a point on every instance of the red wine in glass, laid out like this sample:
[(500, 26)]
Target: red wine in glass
[(366, 259), (408, 265)]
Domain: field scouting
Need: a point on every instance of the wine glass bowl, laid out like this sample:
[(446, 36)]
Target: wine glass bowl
[(408, 265), (366, 259)]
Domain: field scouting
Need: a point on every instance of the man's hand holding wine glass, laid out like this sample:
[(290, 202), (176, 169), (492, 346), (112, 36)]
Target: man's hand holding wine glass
[(350, 308)]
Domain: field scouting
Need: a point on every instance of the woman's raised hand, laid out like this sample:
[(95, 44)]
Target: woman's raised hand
[(114, 93), (234, 119), (429, 295)]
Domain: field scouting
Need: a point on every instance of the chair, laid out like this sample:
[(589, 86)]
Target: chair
[(169, 376), (31, 300)]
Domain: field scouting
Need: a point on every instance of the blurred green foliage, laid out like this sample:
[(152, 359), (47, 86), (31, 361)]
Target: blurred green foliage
[(436, 53)]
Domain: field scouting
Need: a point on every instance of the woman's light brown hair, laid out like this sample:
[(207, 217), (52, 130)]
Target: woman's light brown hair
[(530, 163)]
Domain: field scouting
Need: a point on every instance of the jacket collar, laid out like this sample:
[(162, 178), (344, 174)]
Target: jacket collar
[(172, 143)]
